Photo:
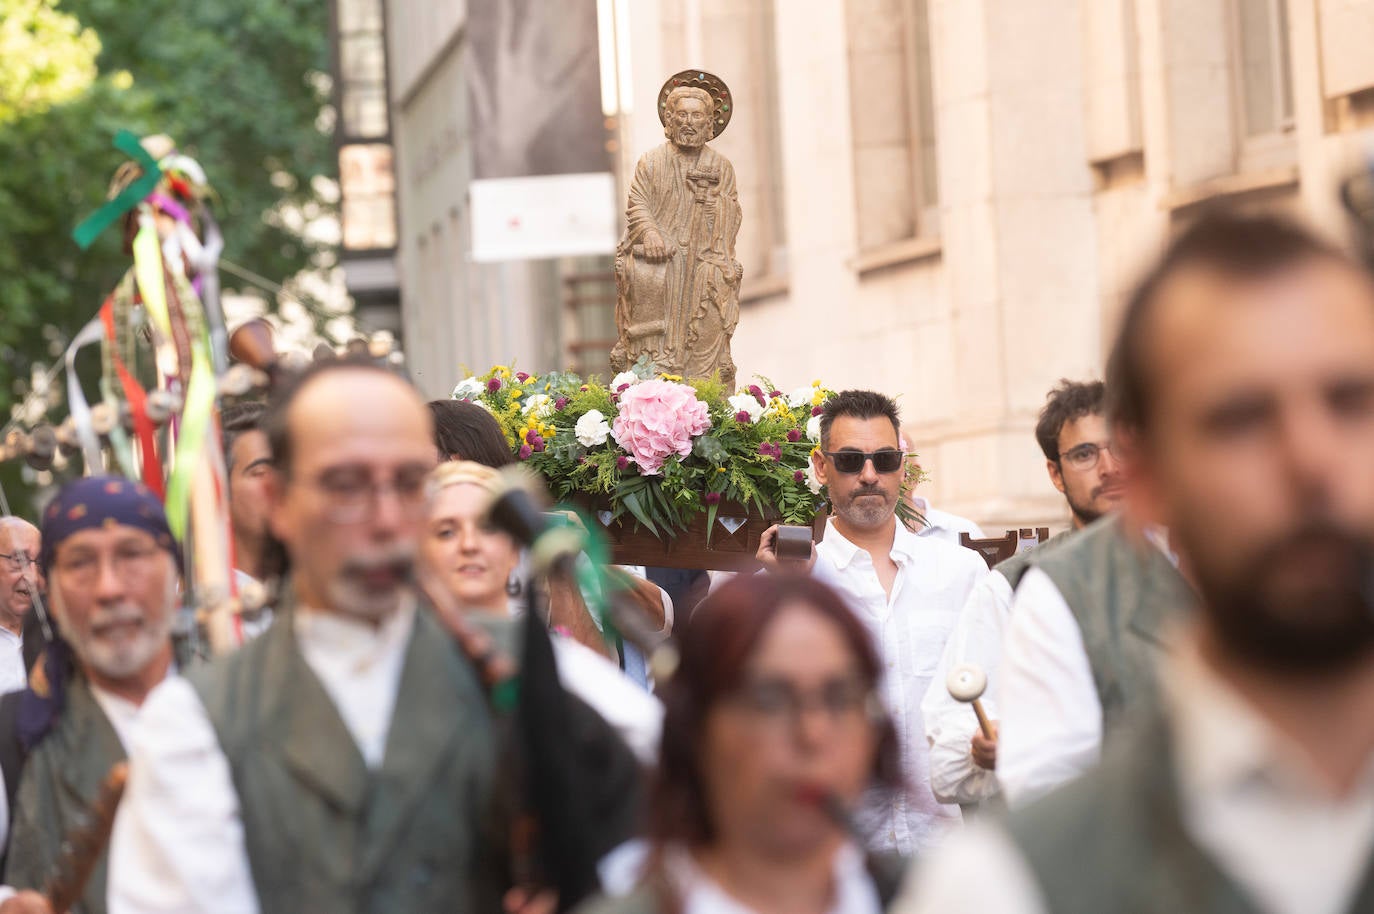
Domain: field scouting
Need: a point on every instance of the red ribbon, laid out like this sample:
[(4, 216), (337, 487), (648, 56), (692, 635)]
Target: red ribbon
[(138, 407)]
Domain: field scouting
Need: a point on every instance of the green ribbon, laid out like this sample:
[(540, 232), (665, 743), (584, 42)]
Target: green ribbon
[(91, 227), (195, 423)]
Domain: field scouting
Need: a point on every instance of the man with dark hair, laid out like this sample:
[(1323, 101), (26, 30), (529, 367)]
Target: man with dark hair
[(347, 759), (1244, 378), (908, 589), (248, 464), (1072, 432)]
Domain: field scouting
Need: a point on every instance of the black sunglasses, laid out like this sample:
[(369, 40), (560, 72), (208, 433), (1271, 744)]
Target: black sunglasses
[(851, 462)]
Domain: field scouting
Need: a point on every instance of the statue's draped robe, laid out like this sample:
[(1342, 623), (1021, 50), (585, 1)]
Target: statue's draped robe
[(681, 312)]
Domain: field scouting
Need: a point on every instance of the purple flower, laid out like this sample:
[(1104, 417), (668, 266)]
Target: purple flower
[(538, 446), (560, 404), (583, 387), (622, 462), (494, 385), (799, 476), (794, 435), (742, 417), (766, 449), (525, 452), (622, 388), (711, 498), (816, 410), (581, 459), (757, 393), (775, 394), (521, 376), (530, 436)]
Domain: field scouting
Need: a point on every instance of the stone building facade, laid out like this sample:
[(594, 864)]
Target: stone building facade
[(947, 200)]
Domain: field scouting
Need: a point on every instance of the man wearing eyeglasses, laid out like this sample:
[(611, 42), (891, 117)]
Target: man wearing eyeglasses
[(908, 589), (1072, 432), (346, 759), (19, 583), (113, 572)]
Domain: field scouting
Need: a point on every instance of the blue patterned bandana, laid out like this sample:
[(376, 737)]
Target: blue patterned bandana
[(103, 501)]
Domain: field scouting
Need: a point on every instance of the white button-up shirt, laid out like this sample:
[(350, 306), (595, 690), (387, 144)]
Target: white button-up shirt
[(910, 628), (13, 675), (1247, 797), (942, 524)]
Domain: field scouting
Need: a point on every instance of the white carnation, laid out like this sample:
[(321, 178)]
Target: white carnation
[(484, 405), (813, 428), (625, 377), (592, 430), (747, 403), (812, 482), (800, 397), (469, 389), (539, 405)]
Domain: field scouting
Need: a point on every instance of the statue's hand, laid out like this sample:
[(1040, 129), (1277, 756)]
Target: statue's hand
[(654, 248)]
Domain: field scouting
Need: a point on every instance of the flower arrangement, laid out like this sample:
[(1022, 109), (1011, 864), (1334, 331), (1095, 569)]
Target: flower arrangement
[(663, 449)]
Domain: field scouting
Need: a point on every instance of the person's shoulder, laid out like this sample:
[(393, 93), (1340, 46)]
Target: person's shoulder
[(959, 559)]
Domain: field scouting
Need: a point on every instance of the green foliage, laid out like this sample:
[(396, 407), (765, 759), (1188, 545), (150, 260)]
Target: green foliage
[(237, 83), (46, 57)]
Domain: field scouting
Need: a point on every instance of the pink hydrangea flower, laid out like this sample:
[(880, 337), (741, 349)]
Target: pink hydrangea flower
[(658, 419)]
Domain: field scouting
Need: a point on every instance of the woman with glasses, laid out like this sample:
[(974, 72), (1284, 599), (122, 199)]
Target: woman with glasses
[(466, 566), (773, 731)]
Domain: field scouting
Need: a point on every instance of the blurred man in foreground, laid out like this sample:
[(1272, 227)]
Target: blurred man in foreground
[(1244, 386)]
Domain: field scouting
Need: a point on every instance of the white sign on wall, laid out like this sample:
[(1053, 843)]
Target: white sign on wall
[(543, 216)]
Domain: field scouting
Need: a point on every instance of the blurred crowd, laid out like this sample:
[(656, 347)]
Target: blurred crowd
[(445, 706)]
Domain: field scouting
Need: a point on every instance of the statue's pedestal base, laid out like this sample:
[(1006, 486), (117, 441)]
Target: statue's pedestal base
[(734, 541)]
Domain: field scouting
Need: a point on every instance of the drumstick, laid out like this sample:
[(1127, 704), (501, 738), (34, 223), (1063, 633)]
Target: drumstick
[(967, 683), (83, 845)]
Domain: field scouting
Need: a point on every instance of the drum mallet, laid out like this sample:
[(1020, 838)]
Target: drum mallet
[(967, 682)]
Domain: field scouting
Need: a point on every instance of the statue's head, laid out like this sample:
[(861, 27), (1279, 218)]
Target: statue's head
[(690, 122)]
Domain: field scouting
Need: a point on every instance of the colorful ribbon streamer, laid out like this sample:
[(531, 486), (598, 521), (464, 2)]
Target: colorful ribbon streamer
[(91, 227)]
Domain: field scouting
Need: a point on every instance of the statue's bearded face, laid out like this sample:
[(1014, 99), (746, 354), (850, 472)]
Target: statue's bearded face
[(689, 125)]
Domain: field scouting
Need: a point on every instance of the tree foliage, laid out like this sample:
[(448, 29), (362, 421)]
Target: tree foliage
[(239, 84)]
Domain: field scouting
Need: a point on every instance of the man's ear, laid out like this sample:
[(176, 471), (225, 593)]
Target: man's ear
[(1056, 475), (818, 464)]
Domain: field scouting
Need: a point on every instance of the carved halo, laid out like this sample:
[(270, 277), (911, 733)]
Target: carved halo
[(724, 103)]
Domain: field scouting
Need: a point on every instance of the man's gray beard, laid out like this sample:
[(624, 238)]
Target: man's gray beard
[(125, 660), (864, 517)]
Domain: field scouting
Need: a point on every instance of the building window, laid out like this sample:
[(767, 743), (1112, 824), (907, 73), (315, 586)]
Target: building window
[(893, 116), (1264, 86)]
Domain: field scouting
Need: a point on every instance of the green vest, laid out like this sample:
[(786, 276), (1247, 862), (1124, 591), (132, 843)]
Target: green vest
[(1122, 594), (59, 784), (1115, 841), (326, 834)]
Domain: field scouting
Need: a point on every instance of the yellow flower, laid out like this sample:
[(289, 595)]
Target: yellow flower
[(671, 377), (815, 383), (516, 392), (501, 370), (720, 469)]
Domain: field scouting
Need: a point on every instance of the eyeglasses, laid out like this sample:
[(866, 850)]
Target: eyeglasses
[(1085, 456), (851, 462), (17, 561), (846, 700), (82, 565), (352, 493)]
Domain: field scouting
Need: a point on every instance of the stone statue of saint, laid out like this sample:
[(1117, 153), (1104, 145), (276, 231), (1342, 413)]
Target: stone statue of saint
[(677, 280)]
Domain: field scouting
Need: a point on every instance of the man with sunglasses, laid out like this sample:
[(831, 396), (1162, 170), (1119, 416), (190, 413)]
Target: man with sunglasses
[(1072, 432), (908, 589), (19, 583)]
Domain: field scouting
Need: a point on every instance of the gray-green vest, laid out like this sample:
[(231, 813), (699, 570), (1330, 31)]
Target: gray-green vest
[(1115, 841), (1122, 594), (326, 835), (59, 784)]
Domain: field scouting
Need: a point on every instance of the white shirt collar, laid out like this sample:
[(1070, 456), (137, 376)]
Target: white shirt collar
[(854, 889), (1221, 743), (121, 712), (842, 550)]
